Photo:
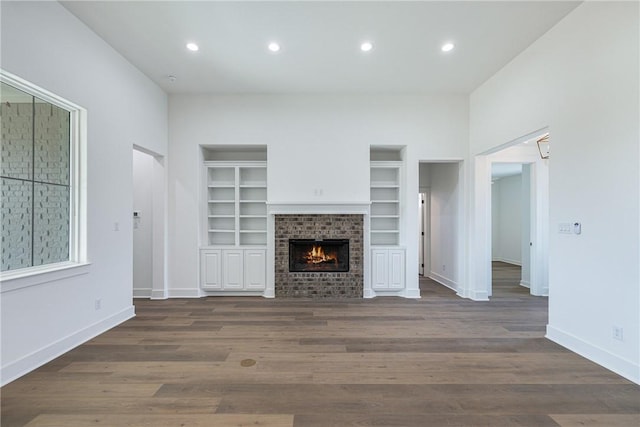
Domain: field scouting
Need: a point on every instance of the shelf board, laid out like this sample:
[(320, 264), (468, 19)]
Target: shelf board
[(385, 216), (253, 216), (253, 201), (384, 185), (384, 201), (216, 230), (254, 185), (221, 216), (221, 201), (385, 231), (253, 231), (221, 185)]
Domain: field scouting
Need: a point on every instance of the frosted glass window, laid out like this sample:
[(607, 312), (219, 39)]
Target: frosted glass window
[(35, 171)]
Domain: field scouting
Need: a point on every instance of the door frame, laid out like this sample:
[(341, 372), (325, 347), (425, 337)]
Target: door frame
[(424, 239), (159, 277), (479, 285)]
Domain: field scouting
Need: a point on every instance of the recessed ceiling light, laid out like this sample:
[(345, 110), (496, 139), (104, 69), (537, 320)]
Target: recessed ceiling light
[(192, 47), (274, 47), (447, 47), (366, 46)]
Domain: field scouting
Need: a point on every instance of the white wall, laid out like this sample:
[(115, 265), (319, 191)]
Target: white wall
[(423, 176), (44, 44), (445, 218), (143, 225), (314, 142), (507, 212), (581, 80)]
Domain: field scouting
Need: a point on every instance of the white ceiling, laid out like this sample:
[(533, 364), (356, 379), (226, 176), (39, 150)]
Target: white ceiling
[(320, 42)]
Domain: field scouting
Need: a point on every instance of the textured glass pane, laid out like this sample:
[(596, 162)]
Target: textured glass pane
[(51, 224), (16, 223), (16, 109), (51, 144)]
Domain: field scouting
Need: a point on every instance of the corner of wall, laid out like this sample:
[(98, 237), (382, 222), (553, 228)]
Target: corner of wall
[(28, 363), (626, 368)]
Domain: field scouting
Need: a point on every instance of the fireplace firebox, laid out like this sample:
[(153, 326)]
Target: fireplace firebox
[(318, 255)]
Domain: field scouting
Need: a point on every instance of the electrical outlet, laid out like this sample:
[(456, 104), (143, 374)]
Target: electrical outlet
[(444, 267), (98, 304), (617, 333)]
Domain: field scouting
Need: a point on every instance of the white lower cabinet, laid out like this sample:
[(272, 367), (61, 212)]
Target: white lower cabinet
[(233, 269), (211, 269), (387, 269), (255, 269)]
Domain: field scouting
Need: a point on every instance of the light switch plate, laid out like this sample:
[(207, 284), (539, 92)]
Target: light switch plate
[(564, 228)]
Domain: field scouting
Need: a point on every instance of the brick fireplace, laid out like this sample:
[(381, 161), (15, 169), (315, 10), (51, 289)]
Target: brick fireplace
[(321, 228)]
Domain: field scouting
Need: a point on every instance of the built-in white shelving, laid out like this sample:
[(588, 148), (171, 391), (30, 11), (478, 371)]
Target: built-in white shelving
[(236, 203), (385, 202)]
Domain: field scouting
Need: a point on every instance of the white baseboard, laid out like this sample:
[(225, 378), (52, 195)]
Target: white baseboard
[(158, 294), (601, 356), (525, 284), (473, 295), (412, 293), (443, 281), (232, 294), (508, 261), (46, 354), (142, 293), (185, 293)]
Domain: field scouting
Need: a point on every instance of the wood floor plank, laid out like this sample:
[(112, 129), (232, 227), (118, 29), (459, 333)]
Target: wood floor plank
[(464, 399), (240, 361), (401, 420), (200, 420), (113, 405), (597, 420), (78, 388)]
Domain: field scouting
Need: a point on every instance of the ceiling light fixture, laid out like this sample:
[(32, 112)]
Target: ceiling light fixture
[(274, 47), (543, 146), (447, 47), (366, 46), (192, 47)]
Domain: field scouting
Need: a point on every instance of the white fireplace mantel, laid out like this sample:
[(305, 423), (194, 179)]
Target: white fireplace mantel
[(316, 207), (283, 208)]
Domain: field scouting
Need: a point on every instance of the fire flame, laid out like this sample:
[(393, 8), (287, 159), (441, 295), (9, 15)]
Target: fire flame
[(317, 255)]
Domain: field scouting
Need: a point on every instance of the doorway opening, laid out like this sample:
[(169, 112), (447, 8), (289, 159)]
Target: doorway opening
[(514, 181), (440, 220), (148, 218)]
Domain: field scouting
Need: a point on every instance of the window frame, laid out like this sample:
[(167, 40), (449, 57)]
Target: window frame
[(77, 263)]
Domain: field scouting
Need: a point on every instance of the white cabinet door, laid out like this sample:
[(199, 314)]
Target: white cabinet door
[(396, 269), (379, 268), (255, 269), (232, 269), (211, 269), (387, 269)]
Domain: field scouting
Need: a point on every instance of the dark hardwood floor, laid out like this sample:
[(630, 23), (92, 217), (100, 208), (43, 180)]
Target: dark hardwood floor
[(438, 361)]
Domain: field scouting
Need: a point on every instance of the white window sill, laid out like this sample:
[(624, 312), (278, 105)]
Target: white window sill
[(26, 277)]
